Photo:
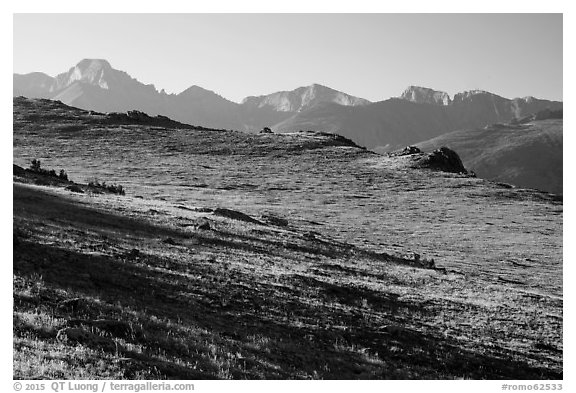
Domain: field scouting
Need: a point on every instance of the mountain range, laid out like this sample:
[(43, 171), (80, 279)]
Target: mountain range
[(93, 84), (416, 115)]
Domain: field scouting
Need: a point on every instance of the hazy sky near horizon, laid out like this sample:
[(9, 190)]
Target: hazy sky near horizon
[(374, 56)]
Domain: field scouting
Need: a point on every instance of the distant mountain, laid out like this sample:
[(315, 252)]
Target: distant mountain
[(97, 72), (35, 84), (93, 84), (418, 114), (393, 122), (528, 154), (303, 98), (423, 95), (203, 107), (478, 107)]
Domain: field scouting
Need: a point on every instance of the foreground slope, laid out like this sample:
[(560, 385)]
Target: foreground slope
[(273, 256), (526, 155)]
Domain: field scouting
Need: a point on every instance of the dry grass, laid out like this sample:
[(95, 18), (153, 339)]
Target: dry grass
[(335, 293)]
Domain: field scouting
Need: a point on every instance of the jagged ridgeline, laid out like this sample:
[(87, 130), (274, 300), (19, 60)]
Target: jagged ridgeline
[(417, 115), (266, 255)]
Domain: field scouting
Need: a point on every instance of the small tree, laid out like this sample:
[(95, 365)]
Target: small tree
[(63, 175), (35, 165)]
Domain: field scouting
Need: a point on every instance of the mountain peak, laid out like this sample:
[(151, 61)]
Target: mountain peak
[(474, 95), (424, 95), (319, 86), (197, 91), (303, 98), (94, 64), (91, 71), (194, 95), (529, 99)]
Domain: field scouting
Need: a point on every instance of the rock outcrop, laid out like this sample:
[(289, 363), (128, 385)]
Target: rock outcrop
[(408, 150), (442, 159)]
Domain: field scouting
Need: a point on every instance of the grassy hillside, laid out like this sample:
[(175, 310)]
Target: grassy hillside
[(273, 256), (526, 155)]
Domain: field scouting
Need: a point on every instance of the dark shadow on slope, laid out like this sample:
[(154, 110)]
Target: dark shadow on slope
[(303, 336), (308, 327), (47, 207)]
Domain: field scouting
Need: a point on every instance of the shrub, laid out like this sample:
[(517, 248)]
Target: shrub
[(63, 175), (75, 188), (35, 165), (112, 188), (116, 189)]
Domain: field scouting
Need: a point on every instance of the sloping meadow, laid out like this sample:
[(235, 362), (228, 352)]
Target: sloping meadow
[(273, 256)]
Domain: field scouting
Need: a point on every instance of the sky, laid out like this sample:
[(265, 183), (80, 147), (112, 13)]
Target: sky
[(373, 56)]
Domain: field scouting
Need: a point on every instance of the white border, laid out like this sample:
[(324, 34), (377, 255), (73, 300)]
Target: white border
[(308, 6)]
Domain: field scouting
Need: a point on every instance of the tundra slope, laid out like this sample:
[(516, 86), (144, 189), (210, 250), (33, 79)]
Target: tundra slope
[(273, 256), (527, 154)]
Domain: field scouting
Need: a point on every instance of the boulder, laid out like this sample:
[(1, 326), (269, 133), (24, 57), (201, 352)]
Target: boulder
[(274, 220), (442, 159), (138, 116), (111, 327), (75, 188), (76, 304), (205, 226), (133, 254), (84, 337), (236, 215), (408, 150), (117, 328)]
